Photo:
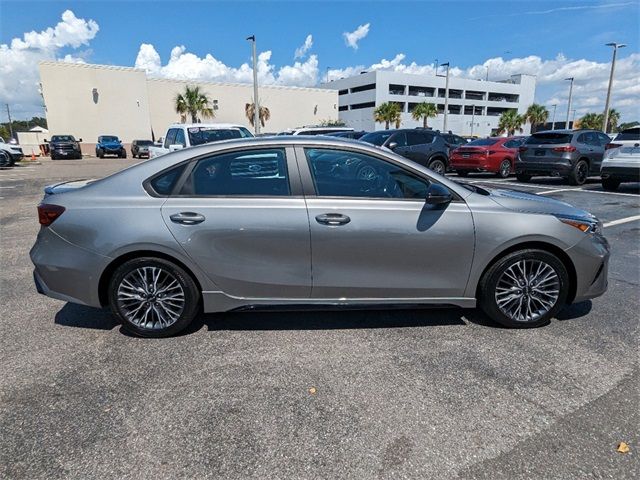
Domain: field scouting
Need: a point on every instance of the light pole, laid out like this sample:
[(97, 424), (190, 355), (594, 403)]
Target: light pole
[(605, 121), (446, 97), (487, 79), (328, 74), (256, 106), (553, 118), (569, 105), (473, 117)]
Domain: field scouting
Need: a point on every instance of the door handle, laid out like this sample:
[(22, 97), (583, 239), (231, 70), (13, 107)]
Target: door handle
[(332, 219), (187, 218)]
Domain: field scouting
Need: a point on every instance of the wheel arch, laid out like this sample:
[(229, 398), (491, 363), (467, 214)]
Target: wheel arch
[(538, 245)]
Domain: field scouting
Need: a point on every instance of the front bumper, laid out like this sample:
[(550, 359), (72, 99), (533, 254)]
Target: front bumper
[(590, 258)]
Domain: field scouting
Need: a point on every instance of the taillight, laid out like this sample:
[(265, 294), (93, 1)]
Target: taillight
[(609, 146), (522, 149), (47, 213), (569, 148)]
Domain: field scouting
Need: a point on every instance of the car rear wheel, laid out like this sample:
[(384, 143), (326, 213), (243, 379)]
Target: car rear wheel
[(579, 173), (610, 184), (505, 169), (153, 297), (524, 289), (437, 166), (462, 173), (523, 177)]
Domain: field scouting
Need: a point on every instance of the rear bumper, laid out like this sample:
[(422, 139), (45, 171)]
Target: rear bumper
[(624, 174), (558, 167), (479, 164), (591, 261)]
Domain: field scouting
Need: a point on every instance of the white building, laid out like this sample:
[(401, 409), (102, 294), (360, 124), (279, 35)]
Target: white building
[(470, 101)]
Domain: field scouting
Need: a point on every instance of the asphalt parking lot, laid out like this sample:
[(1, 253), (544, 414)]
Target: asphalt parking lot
[(374, 394)]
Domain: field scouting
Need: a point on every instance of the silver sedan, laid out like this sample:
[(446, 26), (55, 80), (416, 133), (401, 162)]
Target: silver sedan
[(307, 222)]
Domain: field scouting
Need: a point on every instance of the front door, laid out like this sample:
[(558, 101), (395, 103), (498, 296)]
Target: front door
[(373, 235), (241, 217)]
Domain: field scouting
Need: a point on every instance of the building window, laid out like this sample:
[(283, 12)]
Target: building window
[(455, 109), (358, 106), (421, 91), (396, 89), (452, 93), (471, 95), (503, 97), (342, 108), (468, 110), (363, 88), (343, 92), (496, 111)]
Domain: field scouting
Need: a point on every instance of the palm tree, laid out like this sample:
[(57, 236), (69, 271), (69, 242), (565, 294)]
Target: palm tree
[(193, 102), (536, 115), (388, 113), (591, 120), (509, 122), (614, 118), (424, 111), (250, 109)]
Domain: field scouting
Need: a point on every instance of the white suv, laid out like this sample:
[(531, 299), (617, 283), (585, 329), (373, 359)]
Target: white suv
[(9, 153), (621, 162)]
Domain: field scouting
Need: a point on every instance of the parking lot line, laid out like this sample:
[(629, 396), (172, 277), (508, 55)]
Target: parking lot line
[(558, 190), (622, 220), (13, 186)]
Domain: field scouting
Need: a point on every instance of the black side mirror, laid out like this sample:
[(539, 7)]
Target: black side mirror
[(79, 140), (438, 195), (392, 145), (46, 141)]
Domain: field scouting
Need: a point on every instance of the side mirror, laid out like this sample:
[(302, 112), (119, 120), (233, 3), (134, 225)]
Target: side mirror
[(79, 140), (46, 141), (177, 146), (392, 145), (438, 195)]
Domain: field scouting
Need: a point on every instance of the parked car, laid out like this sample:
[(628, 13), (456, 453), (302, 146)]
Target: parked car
[(196, 234), (621, 161), (572, 154), (315, 130), (423, 146), (184, 135), (454, 140), (64, 146), (140, 148), (10, 153), (110, 145), (352, 134), (494, 154)]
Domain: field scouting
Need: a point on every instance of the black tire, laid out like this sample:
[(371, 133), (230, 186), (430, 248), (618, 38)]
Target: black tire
[(462, 173), (490, 279), (79, 156), (133, 155), (610, 184), (438, 166), (53, 157), (523, 177), (100, 154), (505, 169), (579, 173), (122, 154), (192, 296)]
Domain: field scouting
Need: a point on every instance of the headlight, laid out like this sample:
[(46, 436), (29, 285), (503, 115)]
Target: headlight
[(583, 224)]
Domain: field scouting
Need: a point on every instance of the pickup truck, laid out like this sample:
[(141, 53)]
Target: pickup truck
[(184, 135)]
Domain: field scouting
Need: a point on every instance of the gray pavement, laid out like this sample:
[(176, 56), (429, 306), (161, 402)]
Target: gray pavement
[(437, 394)]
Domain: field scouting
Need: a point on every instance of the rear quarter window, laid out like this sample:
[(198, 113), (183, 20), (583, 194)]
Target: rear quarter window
[(164, 183)]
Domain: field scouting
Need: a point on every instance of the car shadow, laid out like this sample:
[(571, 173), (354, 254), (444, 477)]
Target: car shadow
[(577, 310), (81, 316)]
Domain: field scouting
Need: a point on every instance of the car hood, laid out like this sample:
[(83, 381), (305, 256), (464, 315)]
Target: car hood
[(110, 144), (529, 203)]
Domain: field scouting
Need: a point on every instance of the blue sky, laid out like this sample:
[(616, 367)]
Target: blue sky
[(465, 33)]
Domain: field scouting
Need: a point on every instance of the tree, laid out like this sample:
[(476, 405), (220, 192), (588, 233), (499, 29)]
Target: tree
[(612, 123), (509, 122), (590, 120), (250, 110), (536, 115), (625, 125), (388, 113), (193, 102), (424, 111)]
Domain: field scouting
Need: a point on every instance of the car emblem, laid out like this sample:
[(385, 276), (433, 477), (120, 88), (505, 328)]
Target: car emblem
[(255, 168)]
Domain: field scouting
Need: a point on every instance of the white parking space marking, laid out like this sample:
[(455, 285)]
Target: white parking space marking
[(558, 190), (13, 186), (621, 221)]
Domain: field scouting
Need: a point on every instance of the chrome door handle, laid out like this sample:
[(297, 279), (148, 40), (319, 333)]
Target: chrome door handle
[(332, 219), (187, 218)]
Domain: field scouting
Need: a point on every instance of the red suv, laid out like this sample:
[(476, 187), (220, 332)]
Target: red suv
[(494, 154)]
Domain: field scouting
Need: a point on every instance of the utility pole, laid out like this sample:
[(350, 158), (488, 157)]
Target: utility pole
[(487, 79), (328, 74), (435, 66), (605, 121), (569, 105), (256, 105), (473, 117), (553, 119), (446, 98), (10, 123)]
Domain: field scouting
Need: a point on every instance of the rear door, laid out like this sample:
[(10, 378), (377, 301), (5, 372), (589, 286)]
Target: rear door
[(241, 217), (420, 146)]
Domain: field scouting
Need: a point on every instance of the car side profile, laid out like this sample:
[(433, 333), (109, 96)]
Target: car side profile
[(494, 154), (308, 222), (572, 154), (424, 146)]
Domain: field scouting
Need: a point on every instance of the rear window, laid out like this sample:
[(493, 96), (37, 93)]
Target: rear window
[(201, 135), (144, 142), (629, 134), (549, 138), (483, 142)]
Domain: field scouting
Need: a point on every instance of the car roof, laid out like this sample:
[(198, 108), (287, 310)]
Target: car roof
[(206, 125)]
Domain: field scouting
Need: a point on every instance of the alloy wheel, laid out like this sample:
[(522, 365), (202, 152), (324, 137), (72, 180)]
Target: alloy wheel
[(582, 172), (437, 166), (505, 169), (527, 290)]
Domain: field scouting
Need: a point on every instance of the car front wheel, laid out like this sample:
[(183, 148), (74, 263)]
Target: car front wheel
[(579, 173), (153, 297), (524, 289)]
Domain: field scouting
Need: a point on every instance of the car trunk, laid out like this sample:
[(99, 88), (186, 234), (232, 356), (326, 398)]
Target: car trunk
[(541, 145)]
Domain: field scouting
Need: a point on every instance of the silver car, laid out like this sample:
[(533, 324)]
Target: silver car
[(306, 222)]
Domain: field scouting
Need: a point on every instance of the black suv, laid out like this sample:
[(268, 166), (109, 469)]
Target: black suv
[(64, 146), (423, 146), (572, 154)]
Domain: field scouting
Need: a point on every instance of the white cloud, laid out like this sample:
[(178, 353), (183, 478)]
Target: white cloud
[(352, 38), (302, 50), (19, 60)]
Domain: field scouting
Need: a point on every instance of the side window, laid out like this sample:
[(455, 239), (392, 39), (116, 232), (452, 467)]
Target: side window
[(341, 173), (604, 139), (180, 138), (171, 136), (592, 138), (245, 173), (582, 138), (415, 138), (515, 143), (400, 138), (164, 183)]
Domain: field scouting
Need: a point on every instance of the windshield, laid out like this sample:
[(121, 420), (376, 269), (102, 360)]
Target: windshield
[(482, 142), (549, 138), (629, 134), (377, 138), (109, 138), (144, 142), (63, 138), (201, 135)]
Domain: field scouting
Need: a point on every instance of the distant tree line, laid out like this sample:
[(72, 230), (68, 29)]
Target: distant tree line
[(21, 126)]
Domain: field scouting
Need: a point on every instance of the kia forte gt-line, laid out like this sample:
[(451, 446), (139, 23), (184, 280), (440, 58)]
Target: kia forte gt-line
[(306, 222)]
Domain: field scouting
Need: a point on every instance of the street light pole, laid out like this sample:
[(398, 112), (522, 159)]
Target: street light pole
[(569, 105), (10, 122), (473, 117), (446, 98), (605, 121), (553, 119), (328, 74), (256, 105)]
